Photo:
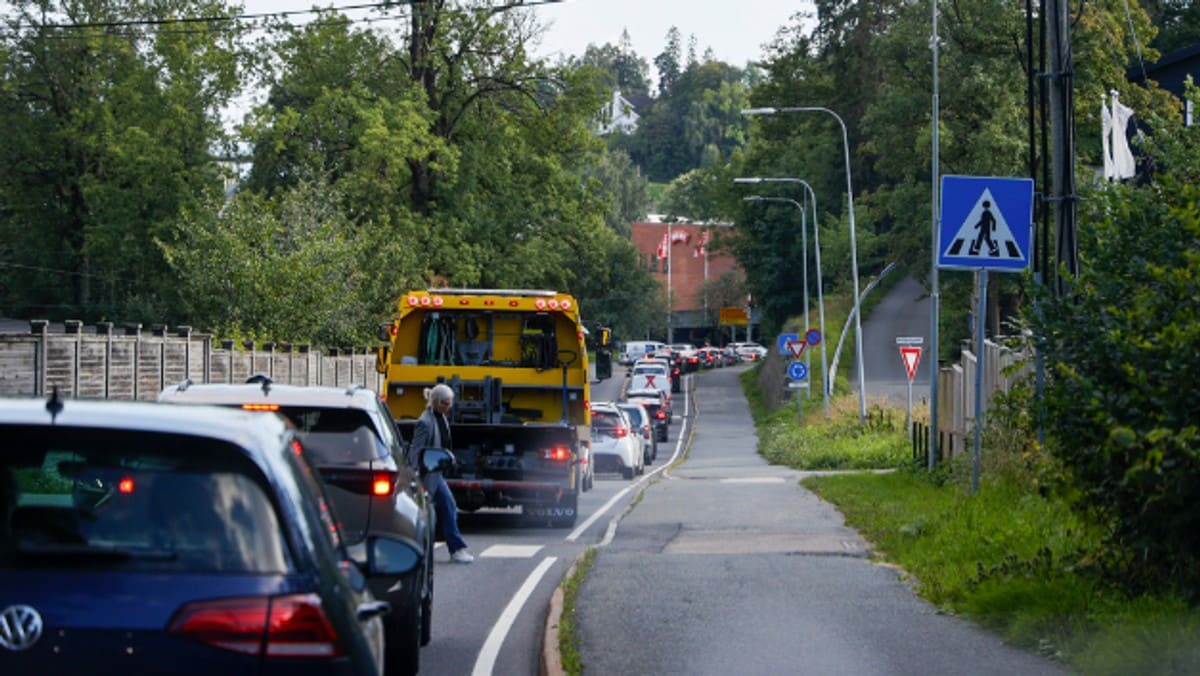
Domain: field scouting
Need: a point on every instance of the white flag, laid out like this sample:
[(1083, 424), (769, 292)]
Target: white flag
[(1106, 126), (1124, 165)]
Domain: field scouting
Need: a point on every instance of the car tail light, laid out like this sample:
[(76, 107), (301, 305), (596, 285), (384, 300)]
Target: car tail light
[(620, 432), (292, 626), (381, 485), (556, 454), (361, 481), (660, 414)]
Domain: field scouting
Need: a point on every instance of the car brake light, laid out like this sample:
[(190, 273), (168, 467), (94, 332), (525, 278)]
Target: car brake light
[(557, 454), (660, 414), (125, 485), (382, 485), (274, 408), (620, 432), (293, 626)]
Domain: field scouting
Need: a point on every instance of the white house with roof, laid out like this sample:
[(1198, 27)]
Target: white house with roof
[(618, 115)]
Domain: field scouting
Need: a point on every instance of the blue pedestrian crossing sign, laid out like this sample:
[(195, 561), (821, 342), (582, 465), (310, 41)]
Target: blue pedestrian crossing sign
[(987, 223)]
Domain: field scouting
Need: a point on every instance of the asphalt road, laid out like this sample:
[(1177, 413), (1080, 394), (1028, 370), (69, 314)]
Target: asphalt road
[(903, 312), (725, 565), (489, 616)]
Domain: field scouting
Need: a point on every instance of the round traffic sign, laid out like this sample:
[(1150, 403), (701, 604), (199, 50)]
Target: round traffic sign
[(797, 370), (813, 336)]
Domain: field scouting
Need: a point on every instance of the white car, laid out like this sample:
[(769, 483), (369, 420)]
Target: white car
[(636, 349), (652, 375), (750, 351), (615, 445), (643, 428)]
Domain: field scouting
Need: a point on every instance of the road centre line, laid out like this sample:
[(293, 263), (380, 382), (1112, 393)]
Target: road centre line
[(486, 661)]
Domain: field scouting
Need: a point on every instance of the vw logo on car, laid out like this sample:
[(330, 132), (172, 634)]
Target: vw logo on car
[(20, 627)]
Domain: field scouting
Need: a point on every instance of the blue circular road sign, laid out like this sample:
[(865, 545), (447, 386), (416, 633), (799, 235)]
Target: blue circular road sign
[(813, 337), (797, 370)]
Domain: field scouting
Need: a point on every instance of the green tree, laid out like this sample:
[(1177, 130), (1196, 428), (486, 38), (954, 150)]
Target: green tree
[(289, 268), (617, 176), (1120, 400), (1178, 23), (668, 62), (112, 128), (626, 71)]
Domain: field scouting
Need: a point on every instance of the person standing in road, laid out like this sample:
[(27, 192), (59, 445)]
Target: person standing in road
[(433, 431)]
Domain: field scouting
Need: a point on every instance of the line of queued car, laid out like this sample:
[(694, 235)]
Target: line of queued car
[(625, 434), (257, 529)]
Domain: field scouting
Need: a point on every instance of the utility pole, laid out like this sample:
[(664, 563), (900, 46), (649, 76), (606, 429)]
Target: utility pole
[(1060, 81)]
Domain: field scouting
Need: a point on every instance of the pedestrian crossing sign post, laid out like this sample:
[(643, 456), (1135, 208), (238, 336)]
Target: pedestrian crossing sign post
[(987, 223)]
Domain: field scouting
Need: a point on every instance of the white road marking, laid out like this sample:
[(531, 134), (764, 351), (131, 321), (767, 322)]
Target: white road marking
[(511, 551), (491, 647), (754, 480)]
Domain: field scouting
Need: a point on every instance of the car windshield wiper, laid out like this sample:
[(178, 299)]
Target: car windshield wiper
[(93, 552)]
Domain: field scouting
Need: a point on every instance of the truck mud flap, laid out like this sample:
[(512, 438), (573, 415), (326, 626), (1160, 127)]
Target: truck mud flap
[(561, 515)]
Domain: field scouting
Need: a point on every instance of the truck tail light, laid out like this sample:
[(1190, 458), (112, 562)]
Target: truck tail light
[(293, 626), (556, 454)]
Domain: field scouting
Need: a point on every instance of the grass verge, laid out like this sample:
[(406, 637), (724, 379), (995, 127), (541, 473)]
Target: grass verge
[(568, 642)]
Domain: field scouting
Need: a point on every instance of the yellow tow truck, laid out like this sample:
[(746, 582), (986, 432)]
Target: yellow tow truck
[(518, 363)]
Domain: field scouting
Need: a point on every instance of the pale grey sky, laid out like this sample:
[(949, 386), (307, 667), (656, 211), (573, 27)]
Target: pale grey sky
[(736, 30)]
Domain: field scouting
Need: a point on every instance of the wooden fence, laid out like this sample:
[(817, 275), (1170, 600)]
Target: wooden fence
[(133, 363), (1002, 368)]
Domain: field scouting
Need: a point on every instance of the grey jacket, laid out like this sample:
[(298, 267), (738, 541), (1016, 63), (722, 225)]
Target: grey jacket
[(426, 434)]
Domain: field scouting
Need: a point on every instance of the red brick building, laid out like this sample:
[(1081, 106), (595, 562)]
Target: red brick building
[(676, 255)]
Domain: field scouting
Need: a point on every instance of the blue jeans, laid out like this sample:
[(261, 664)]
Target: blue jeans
[(447, 515)]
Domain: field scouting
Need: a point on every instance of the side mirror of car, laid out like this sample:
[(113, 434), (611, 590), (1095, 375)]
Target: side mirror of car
[(436, 460), (389, 555)]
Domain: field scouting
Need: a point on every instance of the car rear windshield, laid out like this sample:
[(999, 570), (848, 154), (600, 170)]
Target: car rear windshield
[(636, 414), (141, 501), (605, 421), (336, 436)]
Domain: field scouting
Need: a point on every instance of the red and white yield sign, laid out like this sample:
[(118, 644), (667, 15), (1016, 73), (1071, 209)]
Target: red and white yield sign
[(911, 354), (796, 347)]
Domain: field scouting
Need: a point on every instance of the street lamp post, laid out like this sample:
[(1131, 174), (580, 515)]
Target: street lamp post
[(858, 339), (826, 381)]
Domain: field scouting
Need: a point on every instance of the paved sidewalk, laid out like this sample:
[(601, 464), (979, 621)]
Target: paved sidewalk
[(728, 566)]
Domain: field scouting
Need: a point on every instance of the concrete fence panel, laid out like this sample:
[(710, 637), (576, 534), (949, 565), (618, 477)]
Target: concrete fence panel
[(138, 364)]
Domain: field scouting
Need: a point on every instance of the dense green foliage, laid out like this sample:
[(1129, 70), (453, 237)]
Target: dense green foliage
[(1121, 398), (108, 134), (378, 160)]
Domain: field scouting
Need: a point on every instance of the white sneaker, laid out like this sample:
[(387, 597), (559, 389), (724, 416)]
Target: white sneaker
[(462, 556)]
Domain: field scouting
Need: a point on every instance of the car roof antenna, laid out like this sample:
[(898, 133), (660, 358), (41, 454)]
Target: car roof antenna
[(261, 378), (54, 405)]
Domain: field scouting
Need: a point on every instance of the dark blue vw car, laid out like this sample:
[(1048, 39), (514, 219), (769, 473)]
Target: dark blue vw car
[(140, 538)]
